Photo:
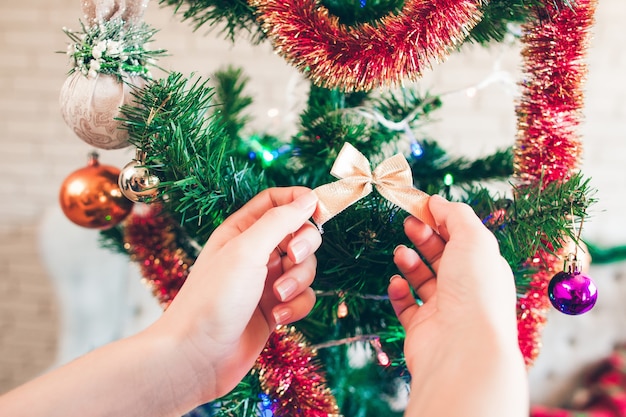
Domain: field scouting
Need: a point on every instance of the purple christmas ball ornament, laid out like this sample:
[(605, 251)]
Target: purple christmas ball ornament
[(572, 293)]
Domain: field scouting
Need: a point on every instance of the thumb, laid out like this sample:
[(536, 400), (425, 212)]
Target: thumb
[(455, 220), (261, 238)]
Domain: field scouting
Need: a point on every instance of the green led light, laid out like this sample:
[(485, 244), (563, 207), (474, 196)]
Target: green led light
[(448, 179), (267, 156)]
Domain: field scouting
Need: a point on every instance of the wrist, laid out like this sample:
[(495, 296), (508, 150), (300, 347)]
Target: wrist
[(183, 367), (487, 377)]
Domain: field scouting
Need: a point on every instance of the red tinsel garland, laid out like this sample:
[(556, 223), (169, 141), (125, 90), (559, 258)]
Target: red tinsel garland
[(288, 372), (532, 308), (150, 239), (365, 56), (548, 145)]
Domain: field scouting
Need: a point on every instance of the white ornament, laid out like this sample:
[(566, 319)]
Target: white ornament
[(90, 105), (102, 10)]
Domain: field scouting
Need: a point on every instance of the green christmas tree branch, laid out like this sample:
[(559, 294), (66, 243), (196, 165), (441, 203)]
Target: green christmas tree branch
[(231, 16), (172, 120), (231, 102)]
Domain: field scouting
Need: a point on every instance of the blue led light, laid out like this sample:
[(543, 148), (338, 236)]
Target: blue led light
[(266, 406), (416, 150)]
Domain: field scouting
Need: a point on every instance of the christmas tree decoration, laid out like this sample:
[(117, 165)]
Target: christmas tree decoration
[(550, 109), (136, 181), (289, 372), (368, 55), (113, 47), (109, 59), (570, 291), (150, 239), (381, 356), (90, 197), (342, 307), (97, 11), (548, 145), (90, 107), (392, 178), (533, 305)]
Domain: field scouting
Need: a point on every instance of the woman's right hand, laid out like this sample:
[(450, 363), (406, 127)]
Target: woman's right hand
[(461, 344)]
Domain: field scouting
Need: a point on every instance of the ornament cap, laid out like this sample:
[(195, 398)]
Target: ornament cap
[(572, 265), (92, 159), (140, 156)]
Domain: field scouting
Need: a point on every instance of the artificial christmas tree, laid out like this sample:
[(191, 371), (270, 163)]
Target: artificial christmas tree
[(346, 357)]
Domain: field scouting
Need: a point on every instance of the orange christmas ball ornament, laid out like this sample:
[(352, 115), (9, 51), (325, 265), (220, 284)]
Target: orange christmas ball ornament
[(90, 196)]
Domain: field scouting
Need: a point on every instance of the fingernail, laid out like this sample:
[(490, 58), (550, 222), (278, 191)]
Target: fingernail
[(306, 201), (286, 288), (300, 250), (282, 315), (398, 247), (396, 276)]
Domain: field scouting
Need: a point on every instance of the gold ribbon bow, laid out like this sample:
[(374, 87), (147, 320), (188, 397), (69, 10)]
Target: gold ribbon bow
[(392, 179)]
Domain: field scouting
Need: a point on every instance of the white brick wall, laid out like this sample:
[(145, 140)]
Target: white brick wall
[(38, 151)]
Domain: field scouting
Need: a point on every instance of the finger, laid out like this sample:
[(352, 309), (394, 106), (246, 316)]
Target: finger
[(296, 309), (297, 246), (428, 243), (457, 220), (421, 275), (285, 287), (402, 300), (295, 280), (261, 238), (253, 210), (304, 243), (416, 272), (471, 249)]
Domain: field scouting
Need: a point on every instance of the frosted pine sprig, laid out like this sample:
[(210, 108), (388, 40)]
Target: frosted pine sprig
[(112, 47)]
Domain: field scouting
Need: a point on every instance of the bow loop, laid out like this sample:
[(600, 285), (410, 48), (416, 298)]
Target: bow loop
[(351, 163), (392, 179)]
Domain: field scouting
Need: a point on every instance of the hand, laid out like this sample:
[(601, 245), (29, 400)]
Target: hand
[(210, 335), (461, 345), (241, 287)]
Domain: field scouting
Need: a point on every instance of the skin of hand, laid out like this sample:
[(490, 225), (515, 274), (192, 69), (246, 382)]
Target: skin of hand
[(241, 287), (253, 273), (461, 344)]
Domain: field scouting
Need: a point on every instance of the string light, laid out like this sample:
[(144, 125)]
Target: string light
[(342, 310), (267, 155), (381, 355), (346, 341), (266, 405), (375, 297), (416, 149), (497, 76)]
